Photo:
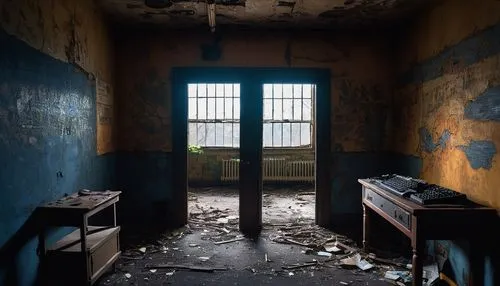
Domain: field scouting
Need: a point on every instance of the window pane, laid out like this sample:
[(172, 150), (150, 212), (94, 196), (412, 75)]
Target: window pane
[(192, 131), (267, 135), (305, 134), (211, 90), (202, 90), (297, 110), (287, 109), (268, 109), (287, 91), (278, 109), (202, 108), (219, 134), (236, 90), (277, 134), (228, 90), (306, 109), (295, 134), (236, 108), (219, 90), (297, 91), (268, 91), (210, 134), (236, 135), (277, 91), (192, 89), (201, 134), (192, 108), (228, 134), (307, 90), (220, 108), (228, 108), (211, 108), (286, 135)]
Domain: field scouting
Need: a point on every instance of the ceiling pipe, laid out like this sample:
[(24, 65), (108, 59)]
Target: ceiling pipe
[(211, 14)]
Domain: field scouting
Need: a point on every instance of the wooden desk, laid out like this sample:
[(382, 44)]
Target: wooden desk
[(88, 251), (421, 223)]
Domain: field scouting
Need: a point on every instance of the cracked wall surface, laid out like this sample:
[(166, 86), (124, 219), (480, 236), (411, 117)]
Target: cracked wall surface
[(72, 31), (446, 113), (361, 80), (52, 55)]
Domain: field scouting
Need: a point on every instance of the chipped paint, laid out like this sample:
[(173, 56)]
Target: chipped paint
[(427, 142), (480, 153), (486, 106), (448, 85), (287, 13), (360, 85)]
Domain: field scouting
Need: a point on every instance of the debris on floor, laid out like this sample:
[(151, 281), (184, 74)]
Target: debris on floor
[(211, 240)]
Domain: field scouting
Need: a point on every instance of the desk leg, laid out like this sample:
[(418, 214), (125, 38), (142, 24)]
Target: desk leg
[(366, 227), (417, 267), (83, 241), (42, 252)]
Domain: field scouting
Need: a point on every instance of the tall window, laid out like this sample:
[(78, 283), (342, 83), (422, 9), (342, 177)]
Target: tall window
[(288, 115), (214, 115)]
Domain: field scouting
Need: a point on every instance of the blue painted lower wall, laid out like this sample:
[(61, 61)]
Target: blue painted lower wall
[(47, 148)]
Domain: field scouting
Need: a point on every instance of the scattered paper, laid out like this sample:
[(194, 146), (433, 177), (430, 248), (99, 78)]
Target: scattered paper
[(405, 276), (152, 270), (364, 265), (142, 249), (128, 275), (431, 273), (193, 245), (323, 253), (290, 274), (204, 258), (223, 220), (344, 283), (356, 260), (170, 273), (331, 247)]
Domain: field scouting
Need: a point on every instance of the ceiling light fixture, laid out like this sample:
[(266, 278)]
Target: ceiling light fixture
[(211, 14)]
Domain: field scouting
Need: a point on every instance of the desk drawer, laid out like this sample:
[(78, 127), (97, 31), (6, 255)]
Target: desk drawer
[(399, 214)]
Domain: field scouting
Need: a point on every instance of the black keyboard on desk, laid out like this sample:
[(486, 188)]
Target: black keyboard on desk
[(435, 194), (419, 191), (400, 185)]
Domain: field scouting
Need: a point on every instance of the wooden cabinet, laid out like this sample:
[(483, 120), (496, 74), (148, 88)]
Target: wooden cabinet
[(83, 255)]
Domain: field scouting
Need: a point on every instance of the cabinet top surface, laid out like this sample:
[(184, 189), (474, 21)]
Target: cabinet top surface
[(82, 200)]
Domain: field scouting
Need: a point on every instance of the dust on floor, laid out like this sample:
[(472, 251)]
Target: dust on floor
[(279, 205), (210, 250)]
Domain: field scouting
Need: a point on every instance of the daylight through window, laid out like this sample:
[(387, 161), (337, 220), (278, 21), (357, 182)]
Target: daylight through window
[(214, 115)]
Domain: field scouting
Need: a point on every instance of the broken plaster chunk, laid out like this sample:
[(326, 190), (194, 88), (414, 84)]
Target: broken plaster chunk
[(128, 275)]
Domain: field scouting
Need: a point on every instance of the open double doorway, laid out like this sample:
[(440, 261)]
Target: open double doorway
[(257, 143)]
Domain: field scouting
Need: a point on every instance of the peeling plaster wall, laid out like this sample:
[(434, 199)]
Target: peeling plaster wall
[(51, 52), (446, 108), (72, 31), (361, 97)]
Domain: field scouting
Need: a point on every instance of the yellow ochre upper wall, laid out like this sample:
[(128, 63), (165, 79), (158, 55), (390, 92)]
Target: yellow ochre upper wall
[(69, 30), (361, 79), (447, 97)]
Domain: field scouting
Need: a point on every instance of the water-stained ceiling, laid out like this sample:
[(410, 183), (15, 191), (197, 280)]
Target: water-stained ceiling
[(287, 13)]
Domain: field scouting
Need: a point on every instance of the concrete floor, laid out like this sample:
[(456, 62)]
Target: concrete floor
[(214, 218)]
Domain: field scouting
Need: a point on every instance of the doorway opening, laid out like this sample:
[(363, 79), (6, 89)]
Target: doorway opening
[(213, 145), (288, 154)]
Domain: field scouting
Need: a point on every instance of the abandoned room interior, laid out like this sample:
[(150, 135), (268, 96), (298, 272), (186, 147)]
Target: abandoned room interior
[(243, 142)]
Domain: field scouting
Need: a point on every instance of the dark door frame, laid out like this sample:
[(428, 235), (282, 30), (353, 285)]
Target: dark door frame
[(251, 78)]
